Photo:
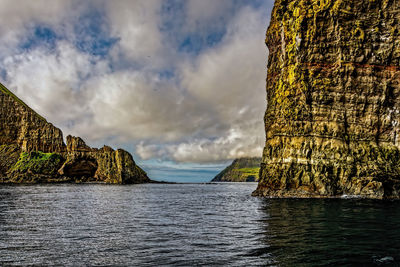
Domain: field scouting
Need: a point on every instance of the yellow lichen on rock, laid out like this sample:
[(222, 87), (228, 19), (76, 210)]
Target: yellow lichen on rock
[(333, 100)]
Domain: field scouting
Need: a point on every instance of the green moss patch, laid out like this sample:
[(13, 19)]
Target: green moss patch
[(249, 171), (38, 163)]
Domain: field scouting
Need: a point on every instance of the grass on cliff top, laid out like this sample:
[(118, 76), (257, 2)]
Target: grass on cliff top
[(37, 162), (8, 92), (249, 171)]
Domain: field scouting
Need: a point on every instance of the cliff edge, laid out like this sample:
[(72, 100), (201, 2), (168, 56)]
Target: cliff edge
[(241, 170), (33, 151), (333, 91)]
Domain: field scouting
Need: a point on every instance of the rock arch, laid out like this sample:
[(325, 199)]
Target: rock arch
[(80, 167)]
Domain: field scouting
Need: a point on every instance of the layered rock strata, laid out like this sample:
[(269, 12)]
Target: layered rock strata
[(33, 151), (241, 170), (333, 91)]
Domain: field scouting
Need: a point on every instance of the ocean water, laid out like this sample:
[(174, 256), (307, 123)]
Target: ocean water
[(191, 225)]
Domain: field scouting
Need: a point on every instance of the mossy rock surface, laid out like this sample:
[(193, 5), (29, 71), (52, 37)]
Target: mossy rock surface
[(37, 163), (241, 170), (333, 93), (9, 155), (33, 151)]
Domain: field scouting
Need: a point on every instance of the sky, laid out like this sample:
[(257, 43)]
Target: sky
[(180, 84)]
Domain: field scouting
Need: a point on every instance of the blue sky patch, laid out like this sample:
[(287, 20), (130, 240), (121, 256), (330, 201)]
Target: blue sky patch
[(93, 33), (40, 36)]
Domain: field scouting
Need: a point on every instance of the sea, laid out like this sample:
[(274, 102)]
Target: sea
[(210, 224)]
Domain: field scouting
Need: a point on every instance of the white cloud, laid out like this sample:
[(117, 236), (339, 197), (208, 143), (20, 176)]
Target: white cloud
[(18, 17), (226, 84), (210, 110), (136, 24), (236, 144), (50, 80)]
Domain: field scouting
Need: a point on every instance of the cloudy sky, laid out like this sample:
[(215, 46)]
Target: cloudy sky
[(178, 83)]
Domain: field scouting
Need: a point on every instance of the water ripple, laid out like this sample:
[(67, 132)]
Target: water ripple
[(191, 225)]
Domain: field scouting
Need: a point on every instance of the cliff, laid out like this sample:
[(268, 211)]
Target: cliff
[(33, 151), (333, 89), (241, 170)]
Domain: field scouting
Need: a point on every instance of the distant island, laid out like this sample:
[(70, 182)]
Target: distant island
[(333, 117), (241, 170), (33, 151)]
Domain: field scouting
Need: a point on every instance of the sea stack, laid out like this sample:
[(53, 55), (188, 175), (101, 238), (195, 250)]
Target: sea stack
[(333, 91), (33, 151)]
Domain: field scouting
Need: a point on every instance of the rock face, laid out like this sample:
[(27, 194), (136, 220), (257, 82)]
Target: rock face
[(333, 86), (105, 164), (241, 170), (22, 126), (33, 151)]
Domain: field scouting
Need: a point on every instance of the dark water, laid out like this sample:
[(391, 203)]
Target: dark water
[(191, 224)]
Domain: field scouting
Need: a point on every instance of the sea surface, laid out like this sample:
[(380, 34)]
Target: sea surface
[(191, 225)]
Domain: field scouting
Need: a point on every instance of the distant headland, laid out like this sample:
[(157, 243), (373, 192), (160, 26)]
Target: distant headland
[(241, 170)]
